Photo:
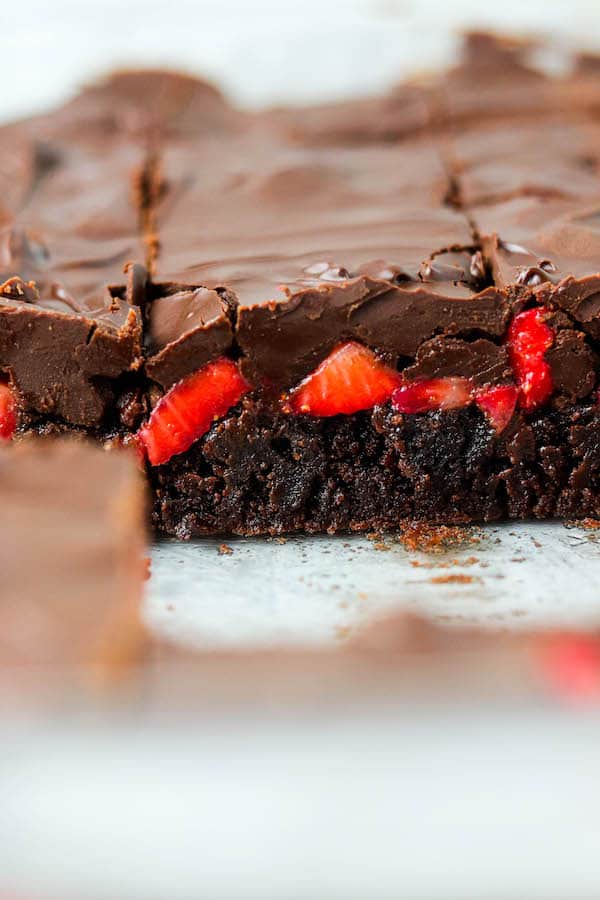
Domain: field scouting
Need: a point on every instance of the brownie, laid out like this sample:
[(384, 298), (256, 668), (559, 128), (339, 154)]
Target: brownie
[(71, 555), (334, 317)]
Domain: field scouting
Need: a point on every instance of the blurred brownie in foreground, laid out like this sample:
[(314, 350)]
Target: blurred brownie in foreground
[(72, 541), (401, 656)]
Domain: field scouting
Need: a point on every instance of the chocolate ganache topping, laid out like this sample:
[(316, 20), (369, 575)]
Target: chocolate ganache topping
[(140, 241)]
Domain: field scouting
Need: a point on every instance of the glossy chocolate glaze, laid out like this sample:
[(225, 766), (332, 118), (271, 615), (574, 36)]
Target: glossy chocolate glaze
[(416, 223), (494, 163), (322, 244), (337, 238), (530, 185), (71, 228), (403, 112)]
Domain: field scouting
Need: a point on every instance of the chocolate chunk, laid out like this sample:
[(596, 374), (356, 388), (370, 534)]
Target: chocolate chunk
[(17, 289), (482, 361), (580, 297), (574, 365), (185, 330)]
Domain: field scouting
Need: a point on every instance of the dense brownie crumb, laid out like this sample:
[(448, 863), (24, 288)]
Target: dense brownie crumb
[(261, 471)]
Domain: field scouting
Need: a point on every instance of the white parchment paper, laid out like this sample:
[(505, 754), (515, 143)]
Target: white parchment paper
[(319, 590)]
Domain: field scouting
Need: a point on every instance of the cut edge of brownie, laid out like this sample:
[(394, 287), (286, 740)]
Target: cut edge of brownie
[(259, 471)]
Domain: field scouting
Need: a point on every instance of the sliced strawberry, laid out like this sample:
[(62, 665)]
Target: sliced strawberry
[(351, 378), (498, 404), (535, 384), (528, 334), (528, 339), (432, 393), (187, 411), (8, 412)]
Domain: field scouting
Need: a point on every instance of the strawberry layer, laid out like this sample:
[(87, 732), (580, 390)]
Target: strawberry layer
[(354, 378)]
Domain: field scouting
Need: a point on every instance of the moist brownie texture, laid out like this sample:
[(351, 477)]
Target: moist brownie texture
[(71, 555), (327, 318)]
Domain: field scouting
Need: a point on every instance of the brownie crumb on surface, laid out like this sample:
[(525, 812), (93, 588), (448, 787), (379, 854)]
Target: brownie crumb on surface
[(454, 579), (426, 538), (588, 524)]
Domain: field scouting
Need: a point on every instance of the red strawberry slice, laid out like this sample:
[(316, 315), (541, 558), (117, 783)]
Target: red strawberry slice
[(535, 384), (431, 394), (188, 410), (498, 404), (351, 378), (528, 339), (8, 412)]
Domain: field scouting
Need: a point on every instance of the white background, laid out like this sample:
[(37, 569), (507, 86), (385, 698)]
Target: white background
[(261, 51)]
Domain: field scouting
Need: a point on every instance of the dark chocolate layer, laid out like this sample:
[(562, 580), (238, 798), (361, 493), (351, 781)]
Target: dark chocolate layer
[(70, 229), (322, 235), (277, 235), (318, 246), (65, 363)]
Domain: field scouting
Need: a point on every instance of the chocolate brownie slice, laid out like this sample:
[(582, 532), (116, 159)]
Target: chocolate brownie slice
[(336, 317), (380, 244)]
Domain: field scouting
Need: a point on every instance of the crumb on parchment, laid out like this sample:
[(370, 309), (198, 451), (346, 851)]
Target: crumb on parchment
[(446, 563), (378, 541), (435, 538), (454, 579), (588, 524)]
